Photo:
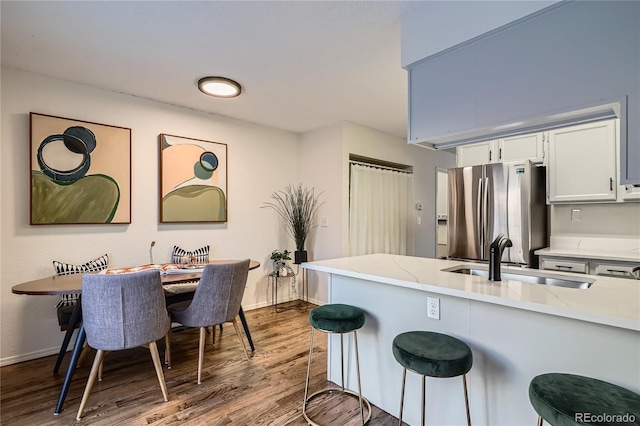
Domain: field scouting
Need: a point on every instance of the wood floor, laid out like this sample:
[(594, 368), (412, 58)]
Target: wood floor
[(267, 390)]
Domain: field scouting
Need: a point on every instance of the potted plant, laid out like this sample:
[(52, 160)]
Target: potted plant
[(278, 259), (298, 207)]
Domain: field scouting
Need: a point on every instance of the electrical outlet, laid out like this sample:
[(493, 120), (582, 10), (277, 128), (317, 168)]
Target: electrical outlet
[(433, 307), (324, 221)]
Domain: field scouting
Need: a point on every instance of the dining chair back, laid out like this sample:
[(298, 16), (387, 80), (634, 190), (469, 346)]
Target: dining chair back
[(123, 311), (217, 300)]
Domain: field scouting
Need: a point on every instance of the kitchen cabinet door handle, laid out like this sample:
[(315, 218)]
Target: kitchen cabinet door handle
[(500, 154), (617, 271), (564, 266), (610, 184)]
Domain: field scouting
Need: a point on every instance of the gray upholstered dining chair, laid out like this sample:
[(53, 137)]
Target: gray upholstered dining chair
[(216, 300), (123, 311)]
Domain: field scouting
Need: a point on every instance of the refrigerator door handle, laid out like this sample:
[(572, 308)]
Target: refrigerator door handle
[(485, 216), (480, 218)]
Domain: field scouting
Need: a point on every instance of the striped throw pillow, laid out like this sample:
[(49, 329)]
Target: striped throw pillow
[(61, 268), (201, 255)]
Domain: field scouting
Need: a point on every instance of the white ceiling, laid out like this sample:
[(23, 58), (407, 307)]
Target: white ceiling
[(302, 65)]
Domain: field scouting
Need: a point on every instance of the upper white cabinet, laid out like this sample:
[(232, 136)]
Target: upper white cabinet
[(514, 148), (476, 153), (522, 147), (581, 164)]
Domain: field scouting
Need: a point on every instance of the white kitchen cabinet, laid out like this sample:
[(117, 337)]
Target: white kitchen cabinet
[(613, 269), (581, 163), (578, 266), (476, 153), (522, 147), (610, 268), (513, 148)]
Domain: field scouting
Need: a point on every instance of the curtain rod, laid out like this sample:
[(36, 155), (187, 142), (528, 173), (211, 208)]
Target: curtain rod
[(378, 166)]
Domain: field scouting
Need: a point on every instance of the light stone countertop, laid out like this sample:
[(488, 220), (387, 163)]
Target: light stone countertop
[(609, 301), (616, 249)]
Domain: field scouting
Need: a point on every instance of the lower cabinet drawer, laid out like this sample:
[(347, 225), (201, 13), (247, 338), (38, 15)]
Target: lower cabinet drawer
[(565, 265), (612, 269)]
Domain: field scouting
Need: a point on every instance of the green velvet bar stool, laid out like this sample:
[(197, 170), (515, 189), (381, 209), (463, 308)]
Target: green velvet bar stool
[(569, 400), (433, 355), (341, 319)]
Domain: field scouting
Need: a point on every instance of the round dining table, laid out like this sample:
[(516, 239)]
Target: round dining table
[(72, 284)]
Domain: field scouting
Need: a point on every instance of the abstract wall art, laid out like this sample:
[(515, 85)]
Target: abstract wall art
[(80, 172), (193, 180)]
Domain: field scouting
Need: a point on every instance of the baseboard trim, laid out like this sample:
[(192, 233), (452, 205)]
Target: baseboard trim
[(28, 356)]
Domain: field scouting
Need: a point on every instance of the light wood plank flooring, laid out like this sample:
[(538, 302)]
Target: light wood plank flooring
[(267, 390)]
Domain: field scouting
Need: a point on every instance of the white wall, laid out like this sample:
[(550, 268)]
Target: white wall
[(619, 220), (259, 160), (324, 164), (367, 142), (321, 166)]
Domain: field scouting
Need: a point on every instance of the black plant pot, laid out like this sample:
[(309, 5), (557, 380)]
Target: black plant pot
[(299, 256)]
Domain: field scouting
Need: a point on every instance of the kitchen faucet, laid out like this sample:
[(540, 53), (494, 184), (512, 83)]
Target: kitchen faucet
[(495, 255)]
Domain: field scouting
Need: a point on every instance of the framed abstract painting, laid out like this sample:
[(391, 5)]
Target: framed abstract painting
[(193, 180), (80, 172)]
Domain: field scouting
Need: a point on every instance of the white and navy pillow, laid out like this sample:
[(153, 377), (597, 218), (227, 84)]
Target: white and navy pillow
[(201, 255), (95, 265)]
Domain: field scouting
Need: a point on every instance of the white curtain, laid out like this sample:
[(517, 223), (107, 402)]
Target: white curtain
[(379, 210)]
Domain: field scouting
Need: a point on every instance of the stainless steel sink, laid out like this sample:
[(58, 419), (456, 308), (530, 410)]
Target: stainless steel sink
[(532, 277)]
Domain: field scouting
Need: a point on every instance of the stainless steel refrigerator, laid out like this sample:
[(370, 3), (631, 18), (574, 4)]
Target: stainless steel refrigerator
[(490, 199)]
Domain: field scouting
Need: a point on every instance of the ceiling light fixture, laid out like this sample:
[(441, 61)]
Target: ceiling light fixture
[(219, 87)]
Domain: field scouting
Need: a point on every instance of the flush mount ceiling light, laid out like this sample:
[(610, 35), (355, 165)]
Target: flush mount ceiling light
[(219, 87)]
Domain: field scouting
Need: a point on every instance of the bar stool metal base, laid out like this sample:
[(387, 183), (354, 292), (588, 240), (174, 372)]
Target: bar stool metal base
[(422, 417), (335, 390), (361, 399)]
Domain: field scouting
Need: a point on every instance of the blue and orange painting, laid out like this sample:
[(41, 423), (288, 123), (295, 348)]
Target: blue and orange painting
[(194, 180)]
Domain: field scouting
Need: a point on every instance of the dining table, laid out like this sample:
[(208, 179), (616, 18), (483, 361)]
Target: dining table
[(172, 282)]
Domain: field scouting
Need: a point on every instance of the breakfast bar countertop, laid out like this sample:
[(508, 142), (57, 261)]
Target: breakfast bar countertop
[(609, 301)]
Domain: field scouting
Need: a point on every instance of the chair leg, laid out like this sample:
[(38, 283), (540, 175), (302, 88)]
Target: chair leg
[(404, 379), (539, 420), (92, 378), (342, 359), (235, 325), (167, 349), (306, 386), (84, 354), (201, 352), (424, 379), (355, 339), (213, 335), (466, 398), (153, 348)]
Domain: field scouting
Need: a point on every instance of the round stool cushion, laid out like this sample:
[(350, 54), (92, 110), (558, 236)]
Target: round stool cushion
[(567, 400), (432, 354), (336, 318)]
